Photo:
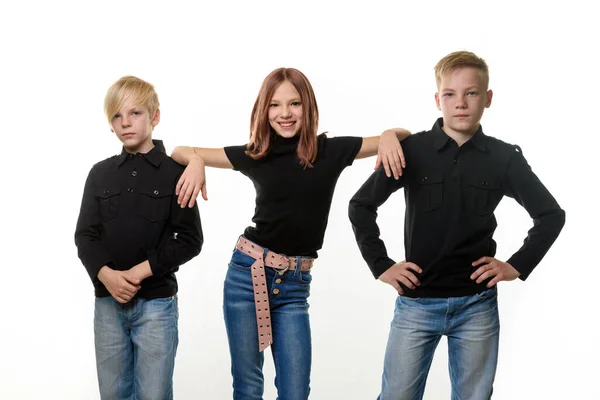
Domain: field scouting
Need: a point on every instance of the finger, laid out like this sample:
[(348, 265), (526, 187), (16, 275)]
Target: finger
[(397, 166), (478, 272), (397, 286), (493, 281), (378, 162), (402, 159), (407, 282), (132, 280), (194, 196), (179, 184), (486, 275), (394, 167), (480, 261), (410, 276), (204, 194), (386, 166), (414, 267), (187, 193), (181, 191)]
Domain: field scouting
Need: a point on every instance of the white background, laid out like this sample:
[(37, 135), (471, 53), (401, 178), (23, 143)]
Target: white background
[(372, 68)]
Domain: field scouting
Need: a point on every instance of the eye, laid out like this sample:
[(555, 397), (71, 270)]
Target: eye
[(296, 104), (447, 95), (472, 93), (137, 113), (272, 105), (116, 116)]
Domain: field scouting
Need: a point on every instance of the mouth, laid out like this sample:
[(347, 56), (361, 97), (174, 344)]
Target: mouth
[(128, 134), (461, 116), (287, 125)]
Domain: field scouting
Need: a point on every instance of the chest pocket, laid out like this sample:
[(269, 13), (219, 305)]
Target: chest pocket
[(484, 195), (108, 202), (430, 192), (154, 203)]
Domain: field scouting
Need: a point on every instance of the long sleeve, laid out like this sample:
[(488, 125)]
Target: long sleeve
[(548, 218), (90, 248), (181, 241), (362, 212)]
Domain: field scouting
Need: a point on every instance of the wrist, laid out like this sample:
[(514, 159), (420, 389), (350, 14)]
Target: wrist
[(103, 273), (401, 134)]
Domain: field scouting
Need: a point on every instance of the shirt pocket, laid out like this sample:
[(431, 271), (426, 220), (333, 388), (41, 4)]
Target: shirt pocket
[(154, 203), (108, 202), (430, 191), (484, 194)]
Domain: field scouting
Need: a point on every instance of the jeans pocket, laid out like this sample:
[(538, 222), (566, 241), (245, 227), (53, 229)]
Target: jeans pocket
[(491, 292), (305, 277), (241, 261)]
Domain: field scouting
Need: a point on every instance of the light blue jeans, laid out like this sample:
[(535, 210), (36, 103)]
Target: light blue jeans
[(472, 326), (291, 347), (136, 344)]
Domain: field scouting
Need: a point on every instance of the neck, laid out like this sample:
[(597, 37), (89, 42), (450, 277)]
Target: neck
[(141, 148), (459, 137)]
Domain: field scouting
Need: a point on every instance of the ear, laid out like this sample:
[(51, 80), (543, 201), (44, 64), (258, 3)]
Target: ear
[(490, 94), (156, 118), (437, 101)]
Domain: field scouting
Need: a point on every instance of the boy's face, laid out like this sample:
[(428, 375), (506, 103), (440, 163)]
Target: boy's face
[(462, 98), (133, 126), (285, 110)]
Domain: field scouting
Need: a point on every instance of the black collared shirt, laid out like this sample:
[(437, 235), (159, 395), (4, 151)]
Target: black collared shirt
[(129, 214), (451, 193)]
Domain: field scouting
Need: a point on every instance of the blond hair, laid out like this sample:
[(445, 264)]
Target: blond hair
[(140, 92), (461, 59)]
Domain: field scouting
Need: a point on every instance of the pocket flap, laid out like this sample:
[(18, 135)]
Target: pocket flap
[(106, 192), (158, 191), (485, 183), (431, 178)]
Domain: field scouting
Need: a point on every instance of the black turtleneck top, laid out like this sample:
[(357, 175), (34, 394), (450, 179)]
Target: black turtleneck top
[(293, 202)]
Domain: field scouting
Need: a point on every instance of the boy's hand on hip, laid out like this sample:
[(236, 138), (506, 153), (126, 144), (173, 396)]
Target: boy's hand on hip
[(402, 272), (120, 284), (490, 267)]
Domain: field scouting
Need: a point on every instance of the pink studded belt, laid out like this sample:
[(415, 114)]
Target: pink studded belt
[(273, 260)]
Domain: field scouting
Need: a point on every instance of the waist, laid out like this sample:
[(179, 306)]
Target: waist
[(272, 259)]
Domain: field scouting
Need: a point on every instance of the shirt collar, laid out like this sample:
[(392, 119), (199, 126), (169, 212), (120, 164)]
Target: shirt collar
[(154, 156), (440, 138)]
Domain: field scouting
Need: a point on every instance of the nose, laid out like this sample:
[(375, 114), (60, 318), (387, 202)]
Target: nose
[(286, 112), (125, 121), (461, 102)]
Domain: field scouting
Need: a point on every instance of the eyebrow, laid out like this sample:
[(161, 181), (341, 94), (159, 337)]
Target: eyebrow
[(291, 100)]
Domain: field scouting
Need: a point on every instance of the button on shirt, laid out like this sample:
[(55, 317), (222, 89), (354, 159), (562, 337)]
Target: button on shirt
[(451, 193), (129, 214)]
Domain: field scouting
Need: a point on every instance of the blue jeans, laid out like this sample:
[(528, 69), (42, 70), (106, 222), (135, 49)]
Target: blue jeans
[(136, 344), (472, 326), (291, 347)]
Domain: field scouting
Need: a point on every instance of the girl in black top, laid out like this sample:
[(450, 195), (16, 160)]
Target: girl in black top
[(294, 171)]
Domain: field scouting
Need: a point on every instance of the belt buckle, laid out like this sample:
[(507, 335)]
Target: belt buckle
[(287, 261)]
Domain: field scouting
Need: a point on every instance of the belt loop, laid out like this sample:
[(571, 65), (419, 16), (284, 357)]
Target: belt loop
[(298, 266)]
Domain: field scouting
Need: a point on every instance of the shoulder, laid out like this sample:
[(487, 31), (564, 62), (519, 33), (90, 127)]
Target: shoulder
[(502, 148), (104, 166), (339, 142)]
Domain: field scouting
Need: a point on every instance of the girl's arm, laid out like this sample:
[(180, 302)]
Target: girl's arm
[(193, 178), (388, 150)]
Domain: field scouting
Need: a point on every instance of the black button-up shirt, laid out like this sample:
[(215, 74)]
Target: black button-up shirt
[(451, 193), (129, 214)]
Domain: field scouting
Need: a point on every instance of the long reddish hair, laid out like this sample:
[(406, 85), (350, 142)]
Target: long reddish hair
[(260, 129)]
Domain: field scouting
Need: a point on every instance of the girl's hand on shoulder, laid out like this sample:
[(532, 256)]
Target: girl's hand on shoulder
[(191, 183), (390, 154)]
